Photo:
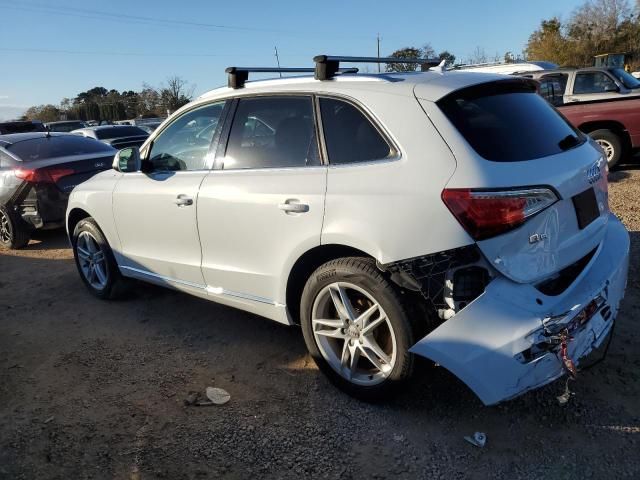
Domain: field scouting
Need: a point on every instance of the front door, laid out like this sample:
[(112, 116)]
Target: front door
[(264, 207), (155, 210)]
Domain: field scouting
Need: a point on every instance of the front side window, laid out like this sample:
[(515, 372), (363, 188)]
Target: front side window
[(185, 143), (349, 135), (594, 82), (272, 132)]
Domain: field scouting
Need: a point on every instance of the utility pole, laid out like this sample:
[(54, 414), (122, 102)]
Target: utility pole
[(378, 39), (278, 60)]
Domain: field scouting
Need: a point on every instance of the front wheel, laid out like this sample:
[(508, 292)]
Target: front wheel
[(356, 328), (94, 259), (610, 143)]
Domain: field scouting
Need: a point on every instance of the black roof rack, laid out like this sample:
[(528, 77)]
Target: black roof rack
[(239, 75), (327, 66)]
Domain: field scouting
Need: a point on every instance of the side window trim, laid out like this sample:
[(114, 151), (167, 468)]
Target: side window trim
[(223, 143), (395, 153), (214, 140)]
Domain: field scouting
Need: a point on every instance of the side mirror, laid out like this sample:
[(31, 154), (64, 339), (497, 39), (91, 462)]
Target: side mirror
[(611, 88), (127, 160)]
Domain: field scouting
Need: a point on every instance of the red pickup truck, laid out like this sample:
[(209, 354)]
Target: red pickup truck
[(613, 122)]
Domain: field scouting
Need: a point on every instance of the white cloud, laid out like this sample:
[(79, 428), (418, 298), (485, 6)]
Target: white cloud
[(4, 97)]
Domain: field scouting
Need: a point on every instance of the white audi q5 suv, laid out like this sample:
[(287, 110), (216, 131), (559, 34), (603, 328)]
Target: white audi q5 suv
[(450, 215)]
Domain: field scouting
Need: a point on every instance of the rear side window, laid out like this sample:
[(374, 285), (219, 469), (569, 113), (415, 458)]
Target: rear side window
[(509, 122), (58, 146), (272, 132), (349, 135)]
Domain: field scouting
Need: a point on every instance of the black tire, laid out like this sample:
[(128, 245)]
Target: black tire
[(14, 232), (613, 140), (363, 273), (114, 286)]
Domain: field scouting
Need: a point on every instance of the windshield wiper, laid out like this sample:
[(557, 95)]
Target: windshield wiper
[(568, 142)]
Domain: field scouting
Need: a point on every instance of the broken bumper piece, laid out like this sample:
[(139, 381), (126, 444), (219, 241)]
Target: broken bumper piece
[(504, 343)]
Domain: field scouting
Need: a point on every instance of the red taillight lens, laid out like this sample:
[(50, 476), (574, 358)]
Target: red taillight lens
[(485, 214), (49, 175)]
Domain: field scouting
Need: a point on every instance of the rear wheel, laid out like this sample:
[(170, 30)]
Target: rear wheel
[(356, 328), (95, 261), (13, 232), (611, 143)]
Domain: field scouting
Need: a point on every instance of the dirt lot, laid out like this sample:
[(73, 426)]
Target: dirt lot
[(90, 389)]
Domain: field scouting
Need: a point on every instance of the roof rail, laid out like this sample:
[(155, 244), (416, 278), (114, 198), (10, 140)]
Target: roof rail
[(327, 66), (239, 75)]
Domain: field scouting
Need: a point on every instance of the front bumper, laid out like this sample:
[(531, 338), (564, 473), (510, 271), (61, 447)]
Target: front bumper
[(499, 344)]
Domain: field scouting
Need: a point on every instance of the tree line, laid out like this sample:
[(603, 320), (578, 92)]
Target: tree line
[(101, 104), (595, 27)]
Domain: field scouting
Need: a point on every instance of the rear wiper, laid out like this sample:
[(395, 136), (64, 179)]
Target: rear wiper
[(568, 142)]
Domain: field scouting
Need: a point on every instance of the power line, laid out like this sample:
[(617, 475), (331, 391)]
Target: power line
[(25, 5), (132, 54)]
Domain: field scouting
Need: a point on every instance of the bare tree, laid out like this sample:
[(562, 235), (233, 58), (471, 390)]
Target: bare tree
[(176, 93), (478, 56)]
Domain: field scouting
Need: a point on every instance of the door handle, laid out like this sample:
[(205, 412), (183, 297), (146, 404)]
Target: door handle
[(293, 206), (183, 200)]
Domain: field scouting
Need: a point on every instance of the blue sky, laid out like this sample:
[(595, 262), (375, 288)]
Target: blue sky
[(55, 49)]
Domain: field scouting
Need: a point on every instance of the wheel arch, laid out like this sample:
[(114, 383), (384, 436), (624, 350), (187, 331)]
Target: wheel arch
[(74, 217), (612, 125), (306, 264)]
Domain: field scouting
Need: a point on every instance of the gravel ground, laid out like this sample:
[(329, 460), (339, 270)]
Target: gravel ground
[(92, 389)]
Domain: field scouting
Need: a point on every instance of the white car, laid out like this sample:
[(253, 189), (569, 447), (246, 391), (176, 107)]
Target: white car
[(450, 215)]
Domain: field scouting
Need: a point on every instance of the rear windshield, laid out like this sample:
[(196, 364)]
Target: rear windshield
[(509, 122), (21, 127), (117, 132), (625, 78), (64, 126), (57, 146)]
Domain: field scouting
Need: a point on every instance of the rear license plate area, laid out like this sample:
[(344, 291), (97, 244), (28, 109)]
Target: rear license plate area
[(586, 207)]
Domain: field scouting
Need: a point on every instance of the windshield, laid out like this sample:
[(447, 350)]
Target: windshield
[(117, 132), (625, 78), (57, 146)]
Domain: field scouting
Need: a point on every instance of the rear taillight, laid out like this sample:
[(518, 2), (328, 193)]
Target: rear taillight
[(485, 214), (42, 175)]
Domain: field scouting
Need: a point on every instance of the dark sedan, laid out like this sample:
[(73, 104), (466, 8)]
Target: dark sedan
[(37, 173), (118, 136)]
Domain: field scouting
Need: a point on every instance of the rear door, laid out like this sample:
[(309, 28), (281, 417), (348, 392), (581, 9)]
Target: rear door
[(512, 146), (263, 206), (155, 210)]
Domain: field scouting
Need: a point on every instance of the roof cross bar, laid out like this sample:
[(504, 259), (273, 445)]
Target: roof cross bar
[(239, 75), (327, 66)]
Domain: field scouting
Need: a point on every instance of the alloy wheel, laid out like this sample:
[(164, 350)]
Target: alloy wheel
[(608, 148), (5, 228), (92, 259), (354, 334)]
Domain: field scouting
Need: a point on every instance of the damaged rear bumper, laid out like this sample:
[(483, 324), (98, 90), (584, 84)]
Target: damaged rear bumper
[(502, 344)]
